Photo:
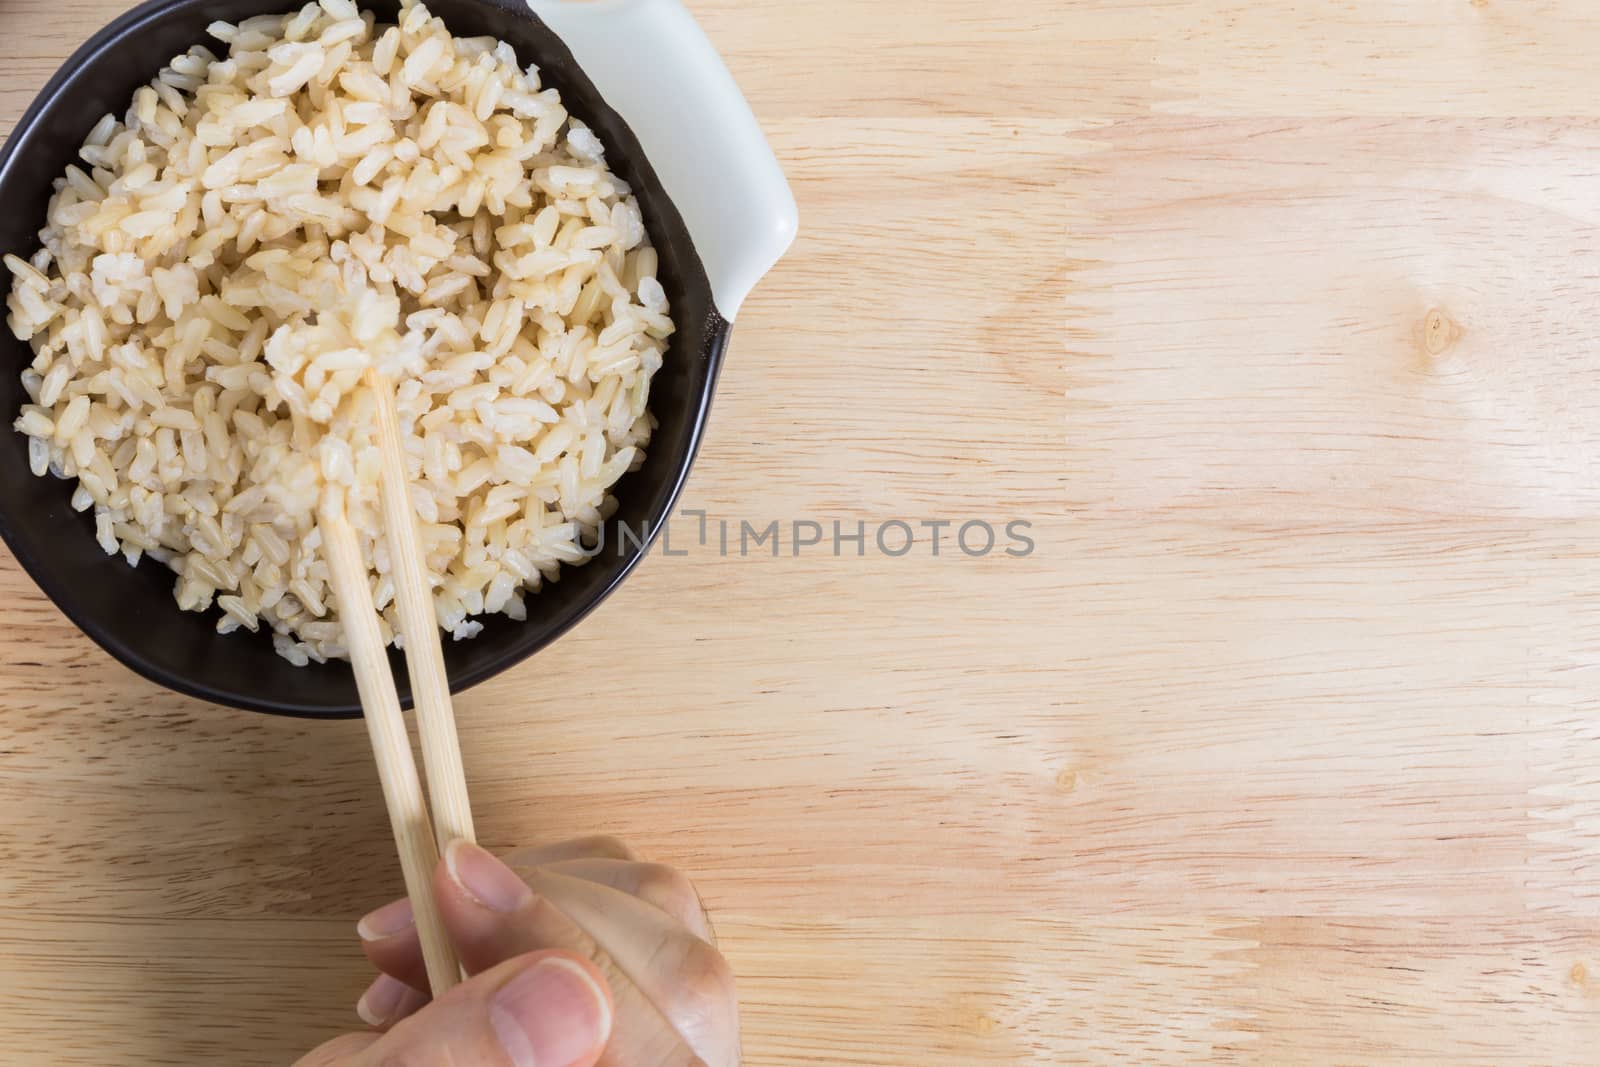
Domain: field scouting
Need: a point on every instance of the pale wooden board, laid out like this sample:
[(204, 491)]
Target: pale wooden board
[(1283, 748)]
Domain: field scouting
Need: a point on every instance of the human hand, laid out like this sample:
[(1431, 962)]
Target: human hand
[(543, 1009), (578, 910)]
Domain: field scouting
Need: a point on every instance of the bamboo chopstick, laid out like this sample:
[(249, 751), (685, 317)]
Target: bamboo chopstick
[(391, 747), (430, 687)]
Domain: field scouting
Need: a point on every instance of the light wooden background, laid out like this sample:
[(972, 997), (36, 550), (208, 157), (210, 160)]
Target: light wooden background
[(1279, 321)]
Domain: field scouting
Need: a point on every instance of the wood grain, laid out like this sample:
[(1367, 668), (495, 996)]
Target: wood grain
[(1279, 324)]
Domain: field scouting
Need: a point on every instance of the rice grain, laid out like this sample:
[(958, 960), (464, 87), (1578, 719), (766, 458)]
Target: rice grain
[(258, 229)]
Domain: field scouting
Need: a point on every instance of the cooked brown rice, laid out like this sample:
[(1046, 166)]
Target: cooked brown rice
[(260, 228)]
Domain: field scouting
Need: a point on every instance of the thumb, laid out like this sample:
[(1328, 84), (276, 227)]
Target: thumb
[(544, 1009)]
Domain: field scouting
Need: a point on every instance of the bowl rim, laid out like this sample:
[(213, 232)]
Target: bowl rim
[(55, 585)]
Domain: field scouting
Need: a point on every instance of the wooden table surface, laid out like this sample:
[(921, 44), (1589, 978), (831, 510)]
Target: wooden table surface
[(1278, 323)]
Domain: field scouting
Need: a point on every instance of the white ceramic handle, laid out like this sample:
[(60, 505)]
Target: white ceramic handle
[(656, 68)]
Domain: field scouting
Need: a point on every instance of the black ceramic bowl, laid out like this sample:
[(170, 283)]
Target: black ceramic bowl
[(130, 611)]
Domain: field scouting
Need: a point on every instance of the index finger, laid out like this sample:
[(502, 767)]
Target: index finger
[(340, 1051)]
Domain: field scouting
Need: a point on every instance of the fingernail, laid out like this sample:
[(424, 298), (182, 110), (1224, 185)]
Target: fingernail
[(484, 878), (551, 1015), (382, 1000), (393, 918)]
